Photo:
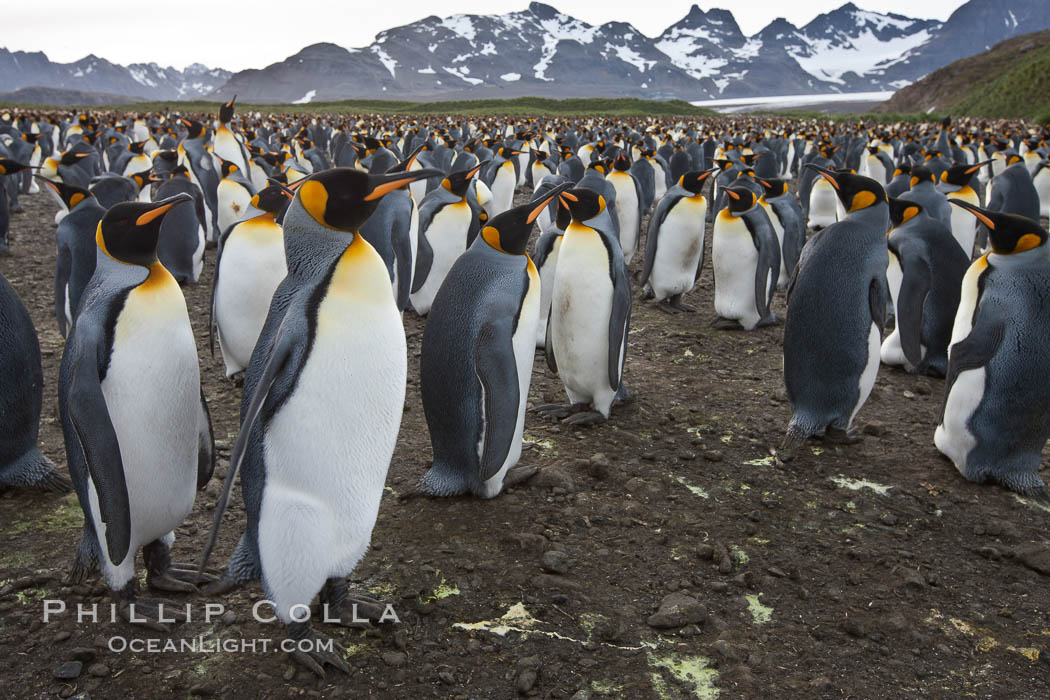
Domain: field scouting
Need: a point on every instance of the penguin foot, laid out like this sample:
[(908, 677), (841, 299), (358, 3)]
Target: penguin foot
[(770, 320), (667, 308), (219, 586), (311, 650), (586, 418), (155, 613), (787, 450), (726, 324), (559, 411), (519, 474), (838, 436), (676, 303), (53, 482), (179, 578), (349, 610)]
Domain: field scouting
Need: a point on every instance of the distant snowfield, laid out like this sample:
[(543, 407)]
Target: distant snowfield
[(744, 104)]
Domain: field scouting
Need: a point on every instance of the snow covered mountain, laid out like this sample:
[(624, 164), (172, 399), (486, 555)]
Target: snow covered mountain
[(20, 69), (541, 51)]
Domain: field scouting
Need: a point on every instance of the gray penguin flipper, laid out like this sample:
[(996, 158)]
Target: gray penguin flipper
[(657, 219), (63, 265), (424, 260), (205, 445), (878, 294), (283, 346), (497, 371), (973, 351), (403, 259), (618, 318), (98, 441), (548, 347), (911, 299)]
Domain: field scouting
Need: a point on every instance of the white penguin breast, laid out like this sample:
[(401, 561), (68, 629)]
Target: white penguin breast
[(152, 393), (964, 224), (330, 443), (823, 204), (734, 259), (892, 352), (251, 267), (626, 212), (447, 236), (680, 243)]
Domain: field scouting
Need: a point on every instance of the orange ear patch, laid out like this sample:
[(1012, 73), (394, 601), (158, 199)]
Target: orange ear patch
[(862, 200), (1027, 242)]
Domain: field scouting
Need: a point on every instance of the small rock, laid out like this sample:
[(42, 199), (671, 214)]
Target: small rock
[(394, 658), (98, 670), (83, 654), (677, 610), (874, 429), (556, 562), (289, 673), (713, 456), (1035, 555), (447, 678), (68, 671), (63, 636), (705, 551), (853, 627), (549, 477), (229, 617), (203, 690)]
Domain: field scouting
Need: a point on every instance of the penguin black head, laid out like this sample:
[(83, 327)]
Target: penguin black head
[(72, 157), (509, 231), (227, 167), (1012, 158), (902, 211), (458, 182), (856, 192), (10, 167), (622, 163), (196, 129), (129, 231), (226, 111), (143, 178), (563, 216), (960, 174), (1008, 234), (136, 147), (273, 199), (902, 169), (773, 187), (343, 198), (404, 165), (724, 164), (598, 165), (741, 199), (694, 180), (584, 203), (508, 152), (921, 174), (69, 194)]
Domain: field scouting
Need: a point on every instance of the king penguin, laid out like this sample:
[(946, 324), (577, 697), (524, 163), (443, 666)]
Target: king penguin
[(137, 431), (323, 398), (249, 267), (994, 423), (477, 355), (835, 314), (545, 257), (7, 167), (75, 249), (1012, 191), (233, 194), (924, 275), (745, 257), (445, 221), (674, 249), (628, 204), (784, 207), (590, 313), (22, 381), (956, 181)]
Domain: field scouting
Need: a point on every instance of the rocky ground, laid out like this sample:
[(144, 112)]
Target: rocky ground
[(661, 554)]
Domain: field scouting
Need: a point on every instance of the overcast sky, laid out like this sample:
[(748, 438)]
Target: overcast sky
[(236, 35)]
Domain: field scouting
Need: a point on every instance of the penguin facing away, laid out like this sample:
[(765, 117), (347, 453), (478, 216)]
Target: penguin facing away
[(924, 275), (477, 355), (836, 311), (994, 422), (314, 462), (22, 378), (136, 426)]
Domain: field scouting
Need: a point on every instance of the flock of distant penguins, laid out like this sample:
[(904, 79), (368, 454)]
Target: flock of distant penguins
[(328, 228)]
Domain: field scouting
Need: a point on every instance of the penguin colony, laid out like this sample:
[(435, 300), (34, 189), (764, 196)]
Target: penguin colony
[(327, 229)]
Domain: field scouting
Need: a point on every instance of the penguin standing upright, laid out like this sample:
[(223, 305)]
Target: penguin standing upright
[(233, 194), (1041, 182), (477, 354), (628, 205), (75, 249), (136, 426), (7, 167), (1012, 190), (745, 257), (227, 146), (955, 181), (21, 397), (323, 398), (249, 267), (924, 192), (674, 250), (924, 274), (836, 310), (792, 232), (445, 220), (501, 176), (545, 257), (994, 423), (182, 241), (590, 313), (200, 167)]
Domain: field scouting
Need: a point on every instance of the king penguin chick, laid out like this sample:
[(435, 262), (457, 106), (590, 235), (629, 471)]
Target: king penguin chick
[(323, 397), (477, 354), (994, 423), (136, 426), (836, 311)]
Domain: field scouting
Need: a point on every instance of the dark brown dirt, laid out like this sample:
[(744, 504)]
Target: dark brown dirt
[(786, 583)]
